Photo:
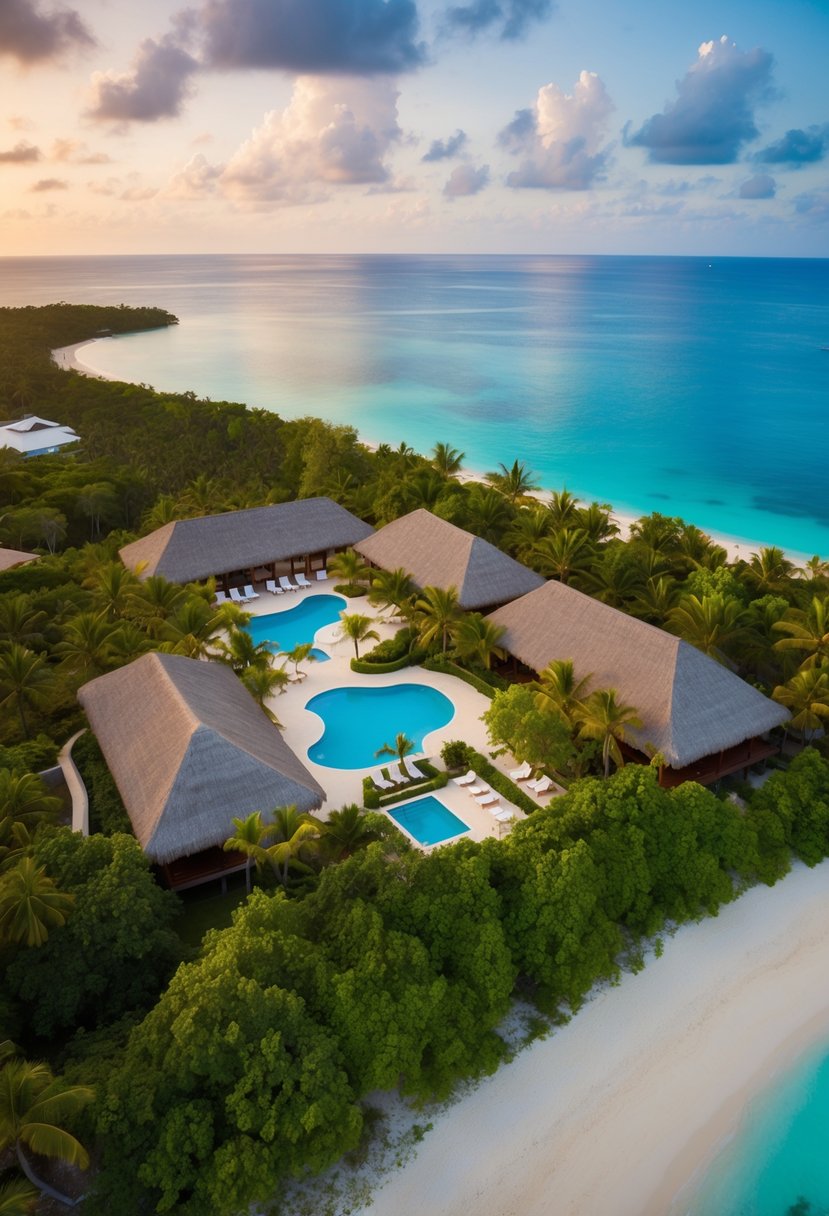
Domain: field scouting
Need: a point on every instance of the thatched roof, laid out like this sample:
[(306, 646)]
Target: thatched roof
[(439, 554), (190, 549), (690, 705), (189, 750), (9, 558)]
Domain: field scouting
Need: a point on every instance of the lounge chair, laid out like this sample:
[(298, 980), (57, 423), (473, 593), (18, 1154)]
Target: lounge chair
[(522, 773), (541, 786), (286, 584), (249, 593), (302, 580), (221, 597), (476, 790), (237, 597), (380, 781), (395, 774), (488, 799), (322, 575), (412, 769), (468, 779), (271, 586)]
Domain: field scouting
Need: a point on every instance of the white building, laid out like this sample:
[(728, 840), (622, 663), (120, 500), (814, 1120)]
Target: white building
[(33, 436)]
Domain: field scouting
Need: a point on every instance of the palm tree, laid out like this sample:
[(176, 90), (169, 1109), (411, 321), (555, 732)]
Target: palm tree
[(31, 904), (248, 838), (656, 599), (200, 496), (437, 611), (711, 623), (488, 514), (424, 489), (295, 840), (597, 521), (299, 654), (447, 460), (614, 580), (358, 628), (698, 551), (25, 680), (559, 690), (194, 628), (393, 589), (808, 631), (816, 570), (20, 622), (155, 601), (96, 501), (24, 801), (403, 746), (477, 640), (530, 526), (562, 508), (113, 586), (565, 553), (263, 683), (769, 570), (607, 720), (88, 646), (346, 831), (515, 483), (17, 1198), (163, 511), (349, 567), (806, 696), (33, 1105)]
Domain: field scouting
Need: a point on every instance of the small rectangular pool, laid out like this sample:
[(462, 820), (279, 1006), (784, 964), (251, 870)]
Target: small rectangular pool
[(427, 820)]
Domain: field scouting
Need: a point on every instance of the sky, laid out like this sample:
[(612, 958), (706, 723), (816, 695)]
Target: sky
[(414, 126)]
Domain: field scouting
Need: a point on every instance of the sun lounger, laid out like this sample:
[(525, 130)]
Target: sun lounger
[(380, 781), (302, 580), (286, 584), (322, 575), (468, 779), (237, 597), (541, 786), (476, 790), (412, 769), (249, 593), (487, 799), (271, 586), (395, 774), (221, 597), (522, 773), (502, 815)]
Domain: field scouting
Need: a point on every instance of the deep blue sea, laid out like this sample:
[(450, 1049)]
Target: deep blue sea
[(692, 387)]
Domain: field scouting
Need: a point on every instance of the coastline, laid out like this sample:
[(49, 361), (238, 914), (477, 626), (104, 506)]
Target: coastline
[(737, 547), (621, 1111)]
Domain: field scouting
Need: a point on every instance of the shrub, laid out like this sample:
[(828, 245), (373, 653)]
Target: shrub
[(32, 756), (107, 813), (350, 590), (397, 647), (500, 782), (455, 754), (371, 795), (364, 668), (486, 682)]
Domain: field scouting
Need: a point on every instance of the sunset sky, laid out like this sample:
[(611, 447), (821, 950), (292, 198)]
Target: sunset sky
[(604, 126)]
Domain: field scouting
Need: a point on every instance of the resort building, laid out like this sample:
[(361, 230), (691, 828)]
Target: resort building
[(10, 558), (33, 436), (241, 547), (189, 750), (704, 721), (436, 553)]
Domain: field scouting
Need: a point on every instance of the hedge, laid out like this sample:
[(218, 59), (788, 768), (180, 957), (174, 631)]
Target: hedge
[(351, 590), (374, 799), (488, 686), (364, 668), (500, 782)]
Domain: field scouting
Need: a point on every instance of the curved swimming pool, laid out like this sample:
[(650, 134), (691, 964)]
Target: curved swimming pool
[(285, 630), (358, 721)]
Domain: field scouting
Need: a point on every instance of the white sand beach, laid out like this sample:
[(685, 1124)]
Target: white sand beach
[(617, 1112)]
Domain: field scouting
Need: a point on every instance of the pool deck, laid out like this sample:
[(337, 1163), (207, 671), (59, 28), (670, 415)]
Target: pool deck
[(301, 727)]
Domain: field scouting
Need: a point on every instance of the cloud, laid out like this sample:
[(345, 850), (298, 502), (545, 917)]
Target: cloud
[(560, 137), (759, 186), (444, 149), (813, 206), (512, 18), (48, 183), (21, 154), (465, 180), (74, 152), (334, 132), (713, 114), (155, 88), (364, 37), (796, 147), (31, 36), (17, 122)]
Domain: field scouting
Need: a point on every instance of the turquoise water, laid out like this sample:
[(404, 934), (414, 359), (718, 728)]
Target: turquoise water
[(428, 820), (294, 626), (780, 1152), (359, 721), (683, 385)]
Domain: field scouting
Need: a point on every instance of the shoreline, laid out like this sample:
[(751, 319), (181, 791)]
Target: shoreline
[(736, 547), (622, 1111)]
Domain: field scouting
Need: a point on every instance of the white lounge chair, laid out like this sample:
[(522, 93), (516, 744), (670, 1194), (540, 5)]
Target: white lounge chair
[(522, 772), (395, 774), (541, 786), (249, 593), (412, 769), (380, 781), (237, 597), (271, 586), (487, 799), (302, 580), (322, 575), (468, 779), (476, 790), (286, 584), (221, 597)]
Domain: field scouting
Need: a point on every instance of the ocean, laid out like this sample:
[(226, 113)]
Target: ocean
[(692, 387)]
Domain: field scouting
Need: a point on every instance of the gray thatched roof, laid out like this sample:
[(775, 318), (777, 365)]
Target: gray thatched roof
[(191, 549), (690, 705), (9, 558), (439, 554), (189, 750)]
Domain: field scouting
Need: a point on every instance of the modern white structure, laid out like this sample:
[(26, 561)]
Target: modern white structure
[(33, 436)]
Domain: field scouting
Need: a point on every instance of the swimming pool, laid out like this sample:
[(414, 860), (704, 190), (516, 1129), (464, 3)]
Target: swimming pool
[(358, 721), (285, 630), (428, 820)]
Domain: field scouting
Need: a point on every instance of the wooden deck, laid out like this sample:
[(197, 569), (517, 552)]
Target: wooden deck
[(208, 866), (720, 764)]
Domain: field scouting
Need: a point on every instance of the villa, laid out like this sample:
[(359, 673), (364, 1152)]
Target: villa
[(701, 718), (11, 558), (247, 546), (436, 553), (189, 750), (33, 436)]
